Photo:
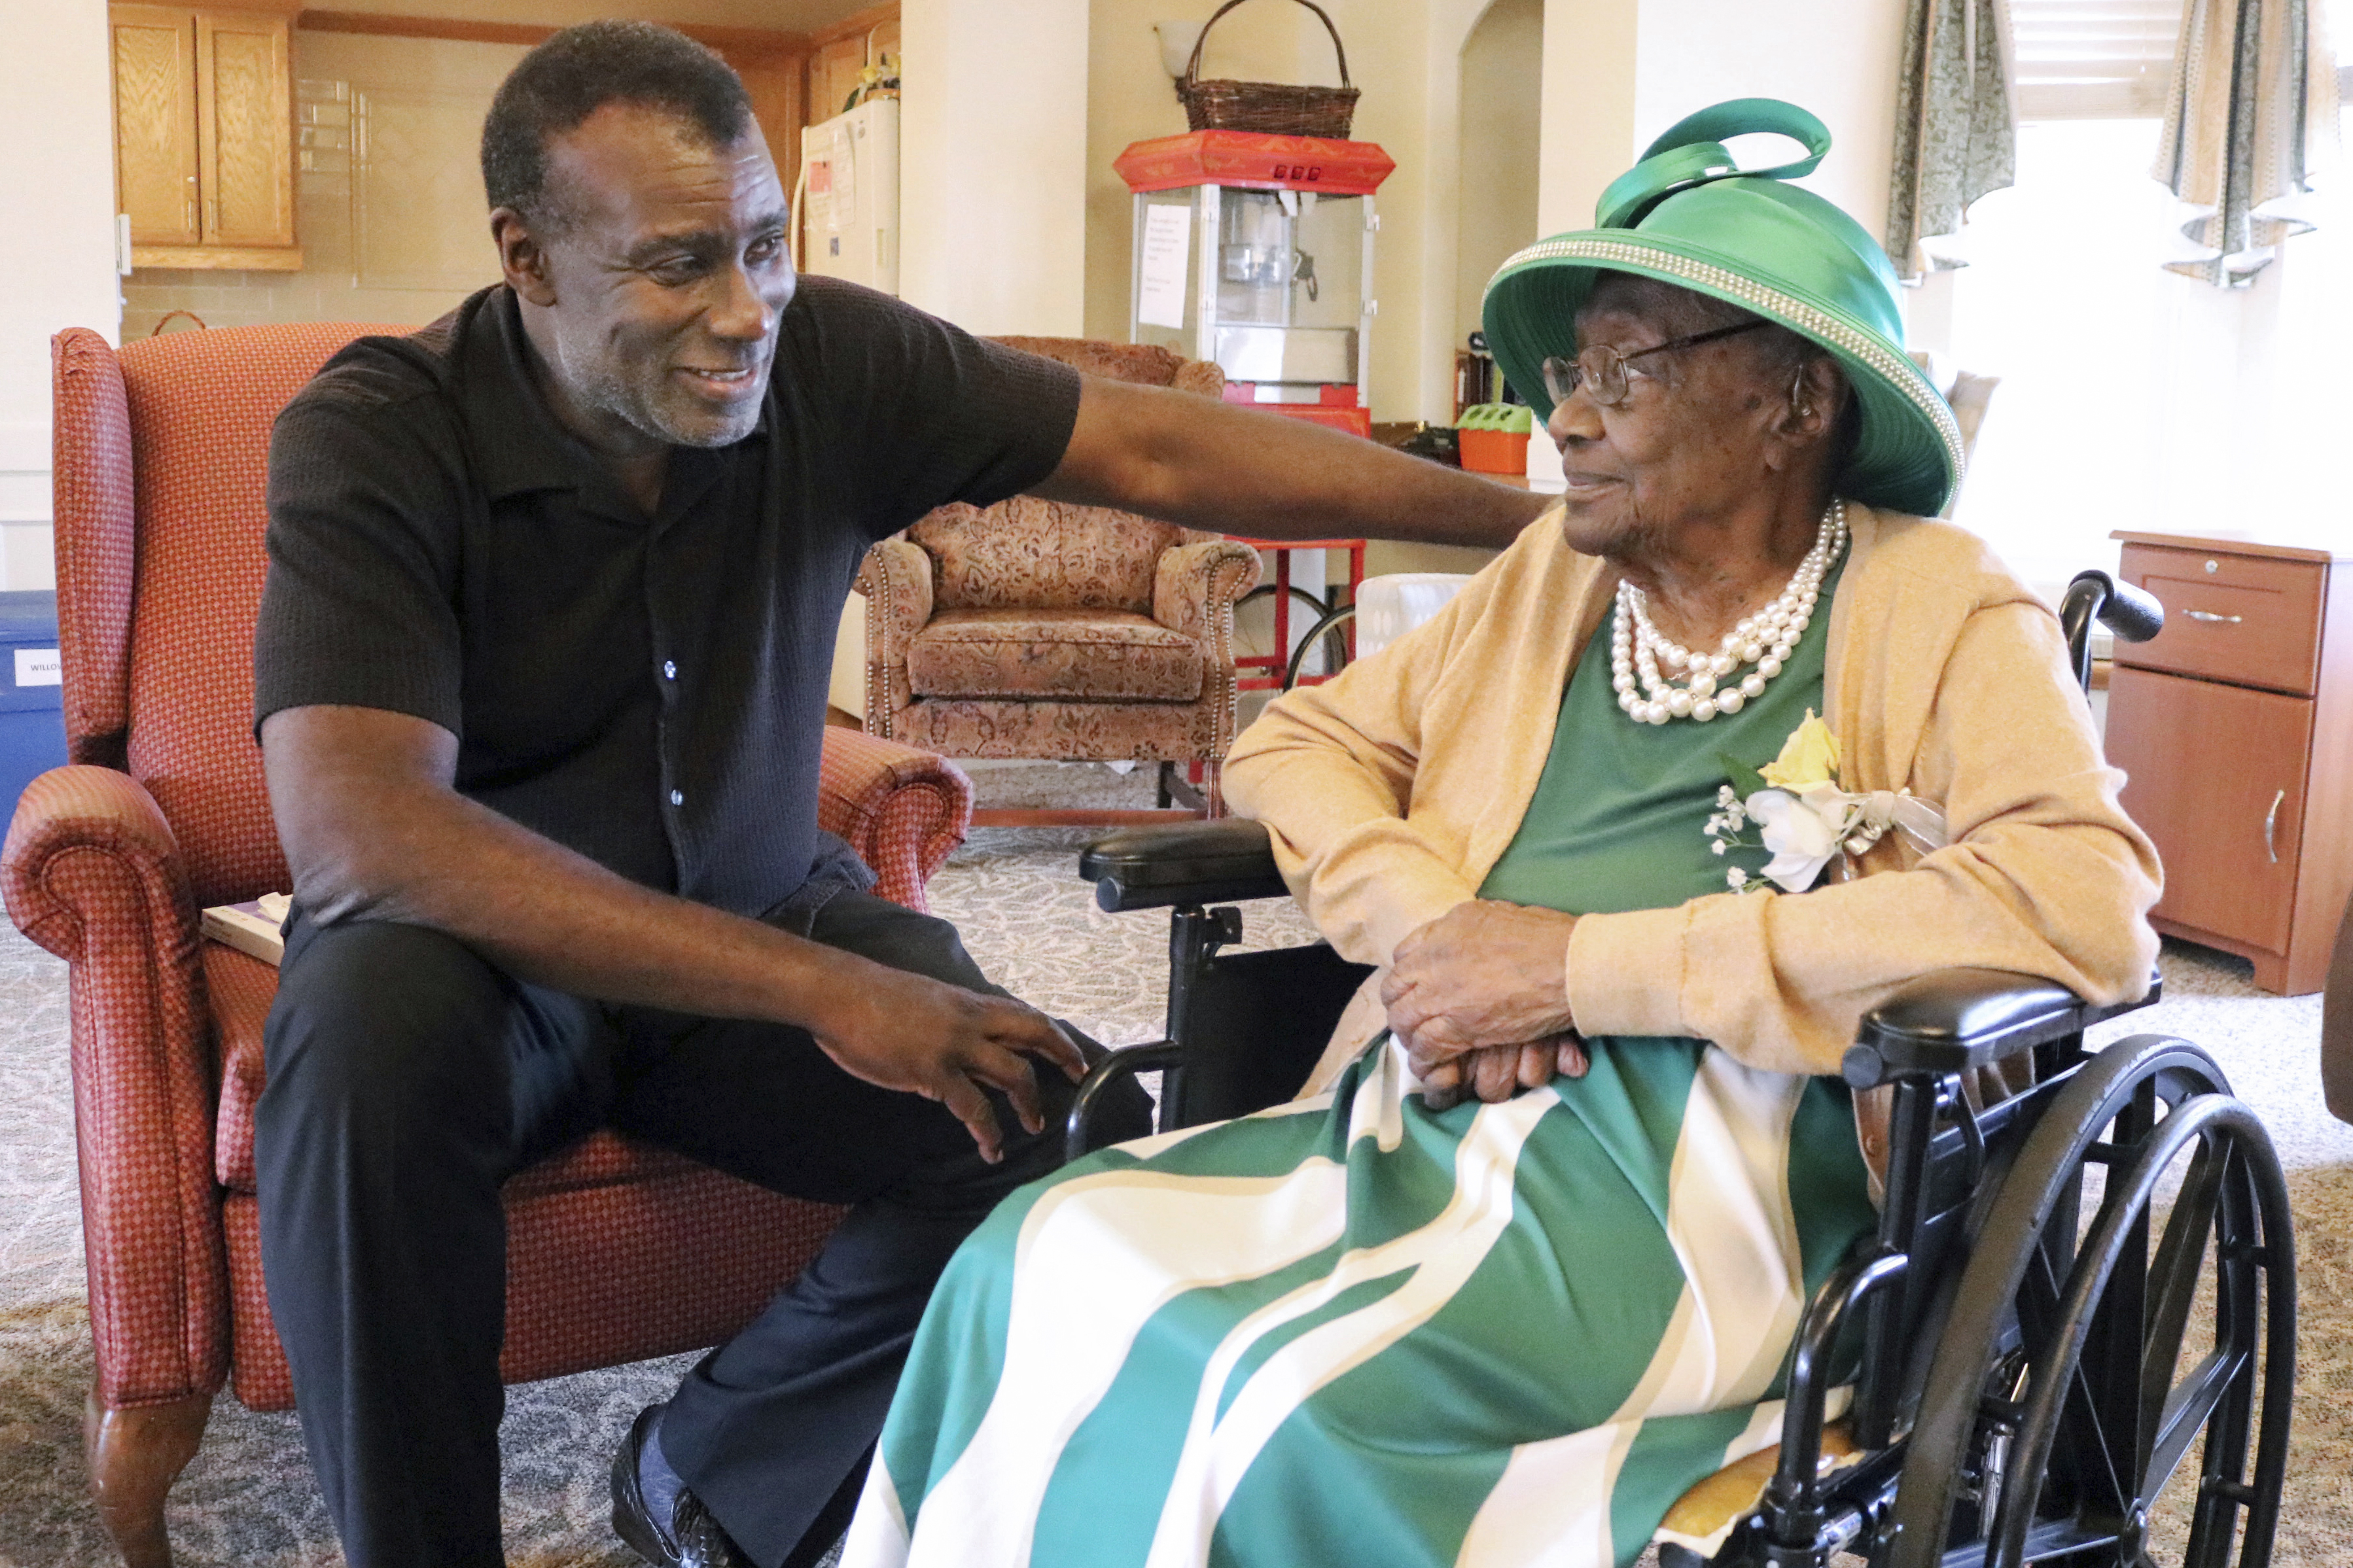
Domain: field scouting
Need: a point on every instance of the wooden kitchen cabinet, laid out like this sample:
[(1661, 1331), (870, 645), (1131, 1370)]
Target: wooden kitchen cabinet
[(203, 136), (2234, 727), (840, 52)]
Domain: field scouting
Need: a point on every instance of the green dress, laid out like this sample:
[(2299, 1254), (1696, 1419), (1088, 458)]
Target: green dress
[(1353, 1331)]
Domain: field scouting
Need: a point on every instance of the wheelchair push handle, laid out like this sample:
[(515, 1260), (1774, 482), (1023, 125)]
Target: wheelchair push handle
[(2131, 613)]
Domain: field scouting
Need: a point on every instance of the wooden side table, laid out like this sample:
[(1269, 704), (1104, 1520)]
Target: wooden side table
[(2235, 728)]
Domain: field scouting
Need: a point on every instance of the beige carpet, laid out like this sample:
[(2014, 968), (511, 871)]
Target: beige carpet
[(248, 1500)]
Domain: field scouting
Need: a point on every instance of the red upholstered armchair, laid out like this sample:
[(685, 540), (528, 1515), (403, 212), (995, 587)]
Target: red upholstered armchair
[(616, 1251)]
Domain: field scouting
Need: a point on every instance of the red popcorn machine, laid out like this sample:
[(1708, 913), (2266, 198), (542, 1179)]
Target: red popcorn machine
[(1256, 251)]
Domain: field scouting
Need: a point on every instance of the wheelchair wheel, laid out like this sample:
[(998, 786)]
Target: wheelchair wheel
[(1325, 630), (2058, 1419)]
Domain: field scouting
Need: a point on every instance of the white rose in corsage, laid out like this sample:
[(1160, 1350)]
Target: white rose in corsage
[(1803, 819)]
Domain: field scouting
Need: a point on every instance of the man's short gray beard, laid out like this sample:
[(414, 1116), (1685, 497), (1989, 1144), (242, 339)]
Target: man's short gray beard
[(598, 389)]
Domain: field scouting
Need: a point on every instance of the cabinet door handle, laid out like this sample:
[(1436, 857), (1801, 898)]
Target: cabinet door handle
[(2212, 617), (2271, 828)]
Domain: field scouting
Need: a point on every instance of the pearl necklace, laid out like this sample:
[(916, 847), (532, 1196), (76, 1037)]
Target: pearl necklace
[(1764, 639)]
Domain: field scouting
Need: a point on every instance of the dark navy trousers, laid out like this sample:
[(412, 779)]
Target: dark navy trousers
[(409, 1076)]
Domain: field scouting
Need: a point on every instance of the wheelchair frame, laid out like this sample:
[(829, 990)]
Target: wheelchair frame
[(2016, 1399)]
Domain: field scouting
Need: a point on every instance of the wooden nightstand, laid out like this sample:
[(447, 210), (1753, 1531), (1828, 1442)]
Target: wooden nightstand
[(2235, 726)]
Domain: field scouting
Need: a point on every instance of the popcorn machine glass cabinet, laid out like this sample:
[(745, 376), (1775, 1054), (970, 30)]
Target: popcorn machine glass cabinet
[(1272, 285)]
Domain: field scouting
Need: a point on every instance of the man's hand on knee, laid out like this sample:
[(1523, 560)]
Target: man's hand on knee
[(907, 1032)]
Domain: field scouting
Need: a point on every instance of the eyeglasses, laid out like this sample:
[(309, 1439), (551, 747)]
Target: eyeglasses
[(1601, 370)]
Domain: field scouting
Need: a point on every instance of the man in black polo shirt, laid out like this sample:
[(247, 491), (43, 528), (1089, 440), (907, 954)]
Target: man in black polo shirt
[(541, 676)]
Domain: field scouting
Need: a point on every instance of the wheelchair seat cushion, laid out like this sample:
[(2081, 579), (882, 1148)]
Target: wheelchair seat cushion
[(1704, 1518)]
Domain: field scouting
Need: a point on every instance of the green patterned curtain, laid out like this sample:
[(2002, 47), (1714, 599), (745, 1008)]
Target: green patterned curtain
[(2251, 119), (1956, 126)]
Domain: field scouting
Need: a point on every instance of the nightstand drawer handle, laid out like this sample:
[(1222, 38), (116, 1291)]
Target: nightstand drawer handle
[(2270, 826), (2210, 616)]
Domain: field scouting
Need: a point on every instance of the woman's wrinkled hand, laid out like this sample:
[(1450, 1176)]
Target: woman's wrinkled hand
[(1483, 973), (1495, 1073)]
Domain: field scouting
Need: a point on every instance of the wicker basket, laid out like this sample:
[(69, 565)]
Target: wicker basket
[(1272, 107)]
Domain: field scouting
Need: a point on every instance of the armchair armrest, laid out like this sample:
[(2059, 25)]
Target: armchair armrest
[(902, 809), (1194, 587), (91, 871), (73, 812), (896, 578), (1188, 863), (1959, 1019)]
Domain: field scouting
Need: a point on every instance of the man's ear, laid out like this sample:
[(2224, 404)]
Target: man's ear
[(522, 257)]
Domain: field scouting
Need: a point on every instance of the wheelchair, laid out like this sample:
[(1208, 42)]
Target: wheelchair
[(2019, 1393)]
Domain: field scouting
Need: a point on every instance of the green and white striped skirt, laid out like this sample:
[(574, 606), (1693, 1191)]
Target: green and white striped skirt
[(1352, 1331)]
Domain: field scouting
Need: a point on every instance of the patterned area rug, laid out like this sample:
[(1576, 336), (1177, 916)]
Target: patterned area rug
[(249, 1500)]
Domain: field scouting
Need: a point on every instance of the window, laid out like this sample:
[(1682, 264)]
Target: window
[(2093, 60), (2133, 397)]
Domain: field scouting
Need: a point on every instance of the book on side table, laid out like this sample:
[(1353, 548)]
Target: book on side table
[(251, 927)]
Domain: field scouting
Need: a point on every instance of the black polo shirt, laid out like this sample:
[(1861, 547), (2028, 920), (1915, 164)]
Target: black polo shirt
[(650, 691)]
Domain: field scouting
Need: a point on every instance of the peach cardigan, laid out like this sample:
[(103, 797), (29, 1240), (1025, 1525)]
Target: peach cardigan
[(1391, 790)]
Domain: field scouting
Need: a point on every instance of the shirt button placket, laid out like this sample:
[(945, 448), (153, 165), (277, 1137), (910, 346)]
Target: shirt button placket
[(669, 691)]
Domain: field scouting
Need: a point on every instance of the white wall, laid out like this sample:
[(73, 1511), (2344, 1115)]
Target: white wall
[(57, 246), (1589, 107), (993, 150), (1619, 72), (1836, 57)]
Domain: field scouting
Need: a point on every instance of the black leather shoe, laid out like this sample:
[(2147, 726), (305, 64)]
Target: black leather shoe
[(689, 1537)]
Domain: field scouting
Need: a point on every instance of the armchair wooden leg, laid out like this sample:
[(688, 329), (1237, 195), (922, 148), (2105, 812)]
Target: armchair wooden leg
[(1198, 788), (134, 1455)]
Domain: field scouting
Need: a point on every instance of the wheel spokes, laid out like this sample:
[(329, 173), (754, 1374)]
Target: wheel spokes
[(2102, 1485), (2187, 1410), (2175, 1274)]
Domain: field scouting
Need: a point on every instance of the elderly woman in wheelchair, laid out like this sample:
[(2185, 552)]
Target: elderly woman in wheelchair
[(1725, 764)]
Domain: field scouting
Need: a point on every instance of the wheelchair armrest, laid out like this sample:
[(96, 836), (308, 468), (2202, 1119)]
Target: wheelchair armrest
[(1956, 1019), (1188, 863)]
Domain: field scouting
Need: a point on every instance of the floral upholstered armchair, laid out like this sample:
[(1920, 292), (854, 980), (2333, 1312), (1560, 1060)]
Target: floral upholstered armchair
[(1037, 629)]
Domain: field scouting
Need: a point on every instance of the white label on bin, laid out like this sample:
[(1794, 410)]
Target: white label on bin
[(40, 667)]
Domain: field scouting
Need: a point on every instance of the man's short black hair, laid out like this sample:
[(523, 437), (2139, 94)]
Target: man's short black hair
[(579, 71)]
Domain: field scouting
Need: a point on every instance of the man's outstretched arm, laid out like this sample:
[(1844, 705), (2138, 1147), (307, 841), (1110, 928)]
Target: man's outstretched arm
[(1204, 464), (375, 829)]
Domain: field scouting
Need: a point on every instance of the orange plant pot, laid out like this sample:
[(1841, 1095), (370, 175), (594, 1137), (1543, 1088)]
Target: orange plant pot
[(1492, 451)]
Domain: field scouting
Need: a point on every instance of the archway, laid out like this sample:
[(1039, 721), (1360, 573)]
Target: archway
[(1501, 76)]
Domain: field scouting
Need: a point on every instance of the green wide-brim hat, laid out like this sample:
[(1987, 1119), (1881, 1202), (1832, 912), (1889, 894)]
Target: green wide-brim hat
[(1688, 214)]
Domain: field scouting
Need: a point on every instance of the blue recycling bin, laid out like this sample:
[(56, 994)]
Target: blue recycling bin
[(32, 690)]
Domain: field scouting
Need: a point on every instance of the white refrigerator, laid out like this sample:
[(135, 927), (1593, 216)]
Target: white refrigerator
[(848, 195)]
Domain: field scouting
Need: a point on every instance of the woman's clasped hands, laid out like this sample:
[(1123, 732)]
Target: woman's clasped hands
[(1479, 998)]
